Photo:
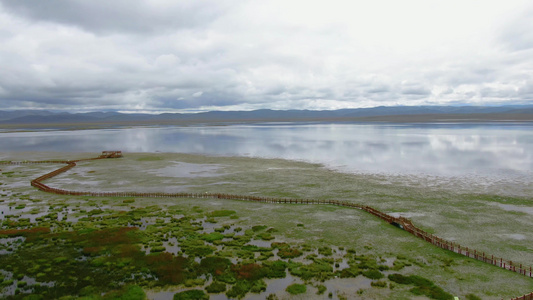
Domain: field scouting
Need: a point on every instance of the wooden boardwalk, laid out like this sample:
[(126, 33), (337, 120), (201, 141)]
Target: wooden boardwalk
[(400, 222)]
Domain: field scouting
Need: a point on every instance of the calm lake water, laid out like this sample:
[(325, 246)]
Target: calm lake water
[(433, 149)]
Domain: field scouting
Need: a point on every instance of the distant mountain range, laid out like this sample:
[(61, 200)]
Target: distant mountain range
[(381, 114)]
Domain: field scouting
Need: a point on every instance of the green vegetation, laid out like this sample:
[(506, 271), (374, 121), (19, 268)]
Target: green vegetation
[(130, 292), (381, 284), (257, 228), (326, 251), (321, 289), (242, 287), (423, 286), (373, 274), (216, 287), (99, 254), (117, 248), (149, 158), (214, 236), (221, 213), (472, 297), (191, 295), (296, 288)]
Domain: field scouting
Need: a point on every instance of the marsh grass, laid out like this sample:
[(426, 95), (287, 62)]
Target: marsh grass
[(470, 218)]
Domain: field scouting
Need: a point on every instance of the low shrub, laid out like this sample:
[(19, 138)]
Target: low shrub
[(423, 286), (289, 253), (420, 281), (373, 274), (472, 297), (214, 265), (275, 269), (158, 249), (216, 287), (296, 288), (221, 213), (248, 271), (399, 278), (380, 284), (350, 273), (259, 228), (213, 236), (191, 295), (326, 251), (321, 289), (194, 282), (272, 297), (265, 236), (433, 292), (130, 292), (239, 289), (258, 286)]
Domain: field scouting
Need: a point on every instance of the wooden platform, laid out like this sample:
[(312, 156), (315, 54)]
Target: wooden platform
[(111, 154)]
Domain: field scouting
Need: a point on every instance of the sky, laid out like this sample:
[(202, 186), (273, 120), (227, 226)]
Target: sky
[(156, 56)]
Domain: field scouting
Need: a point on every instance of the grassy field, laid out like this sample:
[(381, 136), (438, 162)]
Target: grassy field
[(497, 223)]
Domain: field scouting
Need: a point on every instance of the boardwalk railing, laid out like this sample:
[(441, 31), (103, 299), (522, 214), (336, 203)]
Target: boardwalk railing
[(401, 222), (525, 297)]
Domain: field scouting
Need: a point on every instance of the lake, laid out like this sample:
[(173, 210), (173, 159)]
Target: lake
[(497, 150)]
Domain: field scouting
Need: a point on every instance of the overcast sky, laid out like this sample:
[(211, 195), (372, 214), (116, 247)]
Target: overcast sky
[(186, 56)]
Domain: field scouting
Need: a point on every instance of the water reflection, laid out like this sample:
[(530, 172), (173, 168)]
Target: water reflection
[(451, 149)]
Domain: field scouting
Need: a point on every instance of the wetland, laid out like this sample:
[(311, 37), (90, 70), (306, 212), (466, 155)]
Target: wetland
[(71, 247)]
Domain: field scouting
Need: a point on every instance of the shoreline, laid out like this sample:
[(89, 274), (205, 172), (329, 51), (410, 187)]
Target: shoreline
[(489, 119)]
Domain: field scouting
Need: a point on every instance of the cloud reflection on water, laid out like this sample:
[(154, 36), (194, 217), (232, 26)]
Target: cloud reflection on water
[(442, 150)]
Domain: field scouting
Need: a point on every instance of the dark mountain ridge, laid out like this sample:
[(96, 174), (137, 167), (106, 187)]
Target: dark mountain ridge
[(525, 112)]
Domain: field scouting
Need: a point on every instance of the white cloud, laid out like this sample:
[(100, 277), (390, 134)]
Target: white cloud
[(166, 61), (188, 55)]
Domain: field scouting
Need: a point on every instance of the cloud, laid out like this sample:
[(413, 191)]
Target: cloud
[(517, 34), (200, 55), (165, 61), (416, 89), (131, 16)]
